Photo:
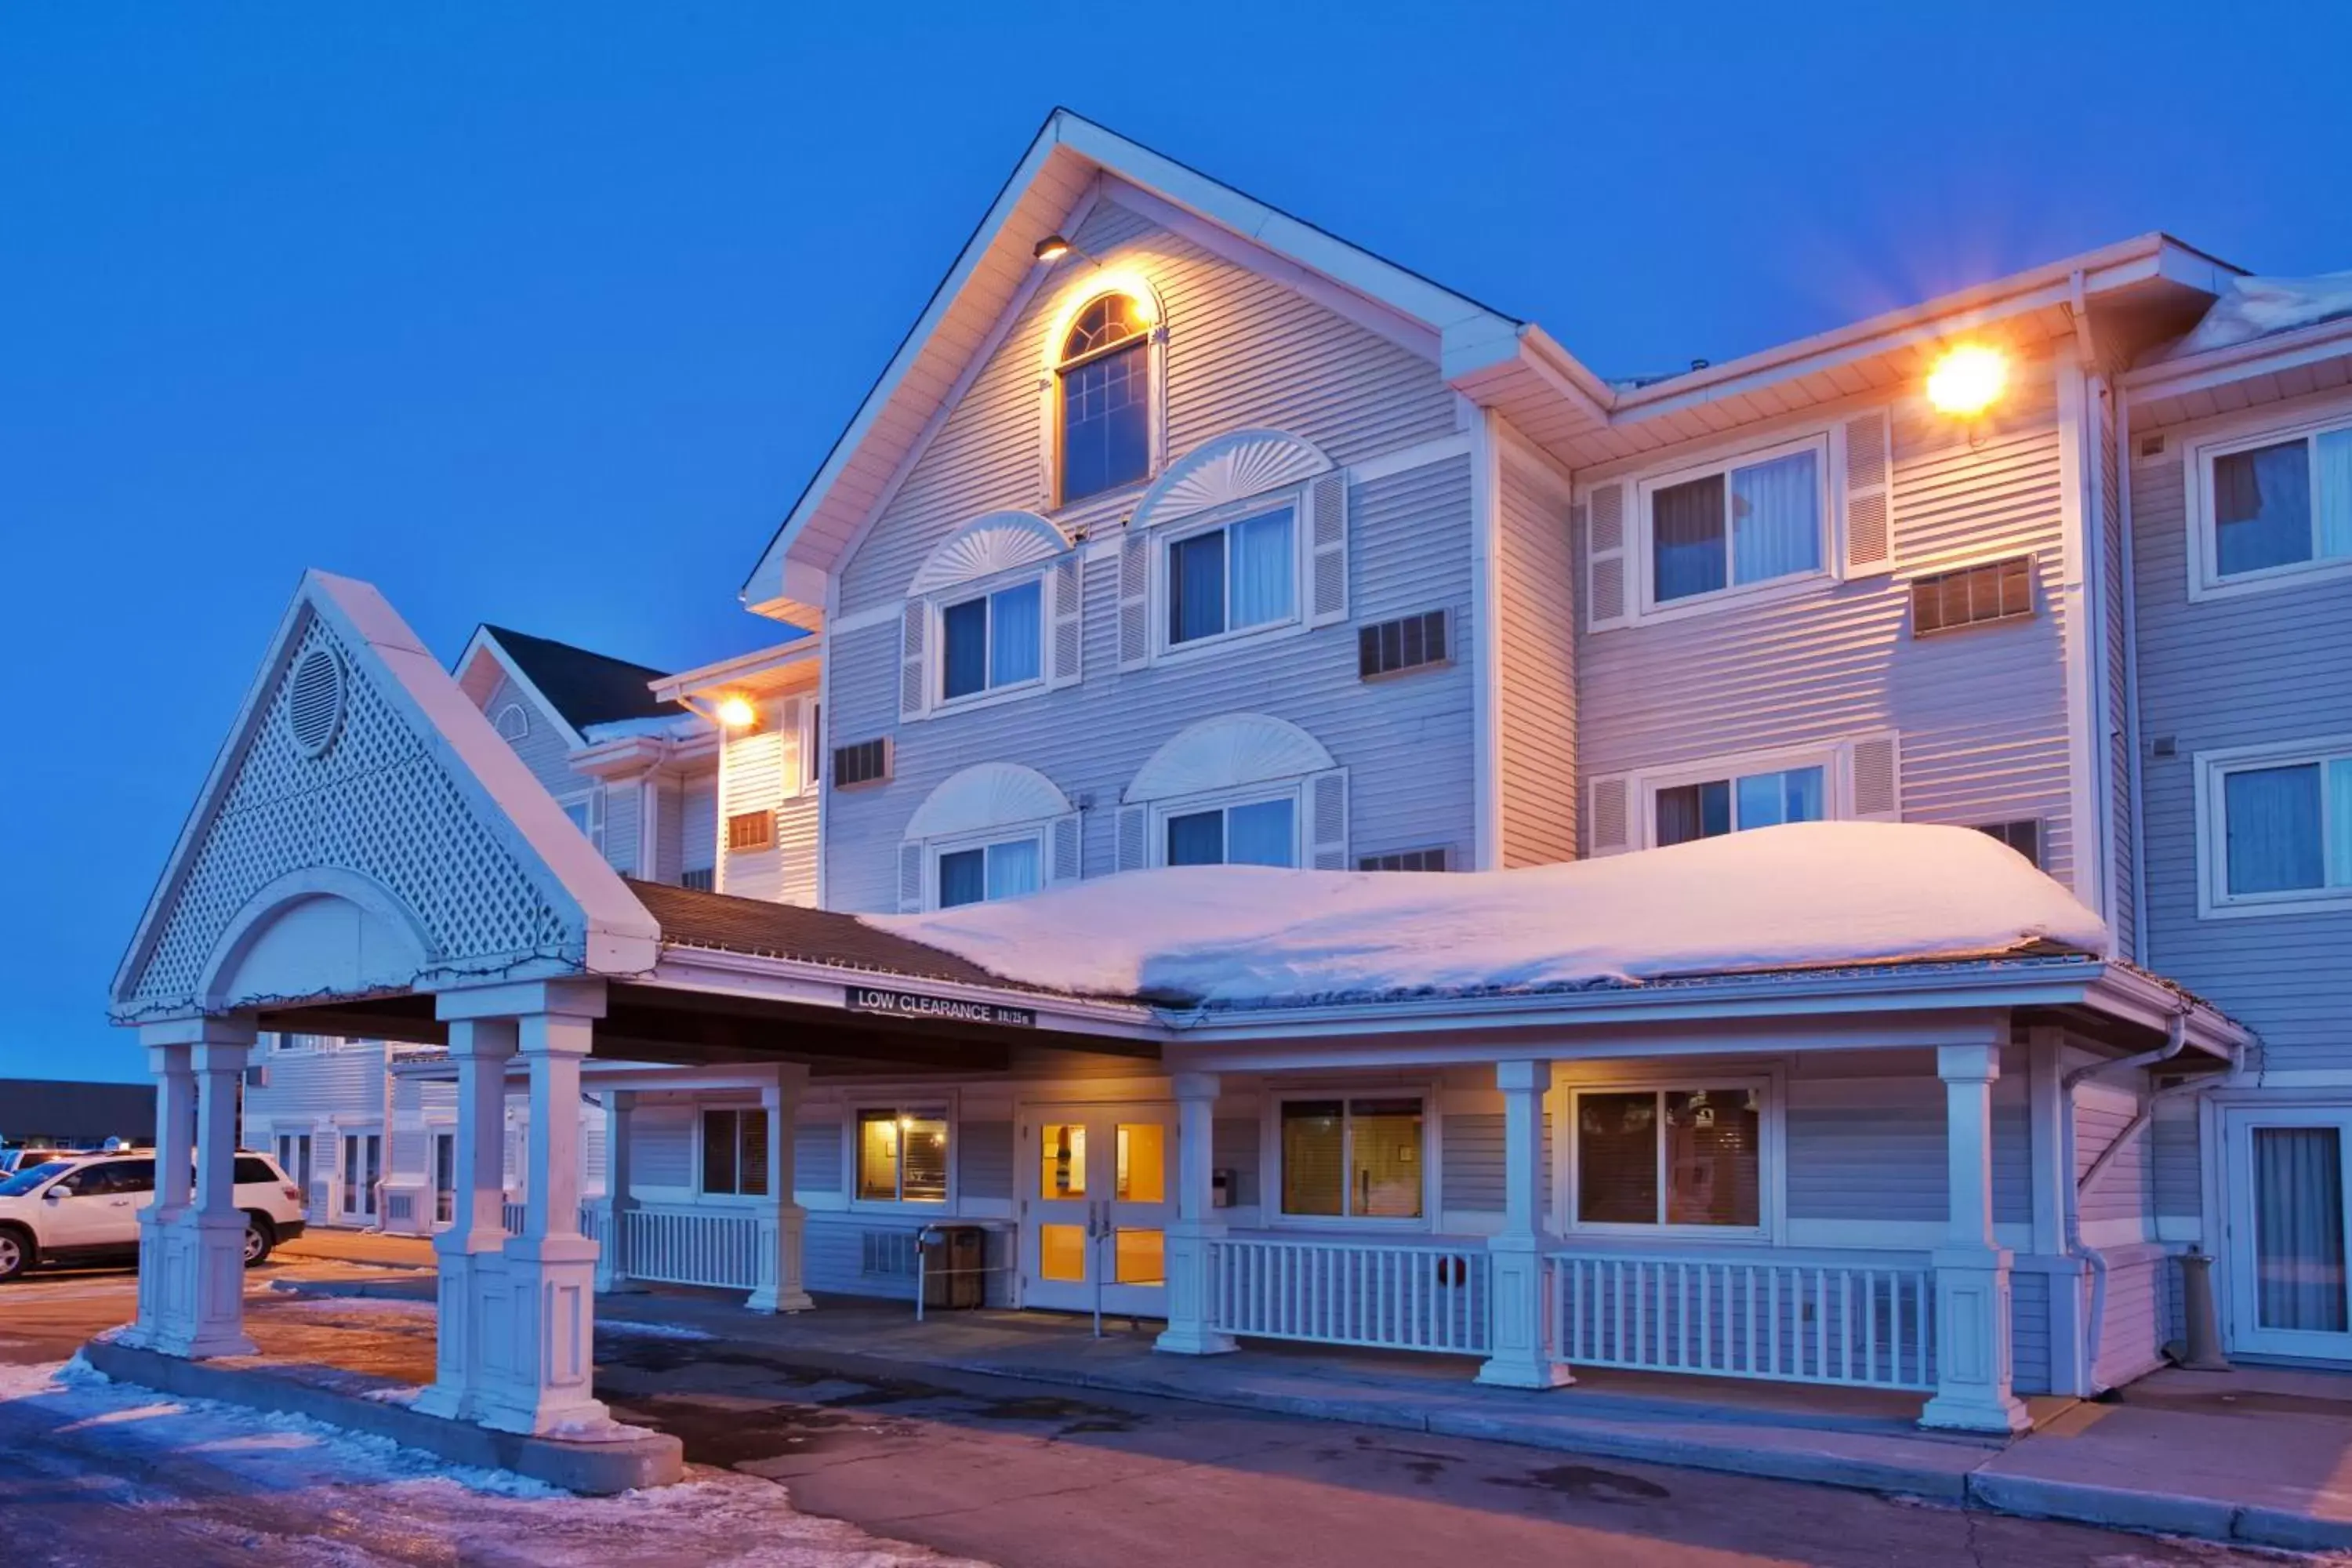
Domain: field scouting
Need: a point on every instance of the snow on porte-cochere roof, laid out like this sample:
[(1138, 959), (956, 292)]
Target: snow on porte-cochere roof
[(1807, 895)]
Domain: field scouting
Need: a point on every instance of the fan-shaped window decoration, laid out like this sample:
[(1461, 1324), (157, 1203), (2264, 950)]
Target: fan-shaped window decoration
[(314, 701), (1106, 379)]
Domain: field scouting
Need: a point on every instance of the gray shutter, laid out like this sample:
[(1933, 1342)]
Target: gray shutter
[(1605, 558), (1135, 601), (1327, 820), (1065, 621), (1869, 495), (1875, 775), (914, 673), (1134, 837), (1067, 861), (911, 877), (1327, 507), (1610, 823)]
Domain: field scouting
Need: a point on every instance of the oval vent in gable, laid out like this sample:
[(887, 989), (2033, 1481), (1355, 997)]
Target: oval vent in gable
[(314, 701)]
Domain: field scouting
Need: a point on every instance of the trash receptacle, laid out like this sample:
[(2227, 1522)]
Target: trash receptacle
[(953, 1258)]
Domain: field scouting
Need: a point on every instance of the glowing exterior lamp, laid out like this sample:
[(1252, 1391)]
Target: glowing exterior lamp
[(1052, 247), (736, 713), (1969, 380)]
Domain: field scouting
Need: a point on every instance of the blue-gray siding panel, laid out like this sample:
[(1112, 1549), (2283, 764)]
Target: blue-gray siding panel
[(1234, 1147), (984, 1161), (2029, 1331)]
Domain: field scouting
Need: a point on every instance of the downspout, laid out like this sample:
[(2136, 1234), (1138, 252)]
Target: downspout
[(2176, 1035)]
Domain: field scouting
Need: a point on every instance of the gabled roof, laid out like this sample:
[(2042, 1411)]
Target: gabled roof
[(576, 686), (1067, 156)]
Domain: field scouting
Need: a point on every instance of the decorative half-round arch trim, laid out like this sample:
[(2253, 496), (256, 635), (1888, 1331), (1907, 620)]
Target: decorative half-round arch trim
[(996, 542), (985, 795), (1226, 753), (1083, 291), (1232, 467), (387, 944)]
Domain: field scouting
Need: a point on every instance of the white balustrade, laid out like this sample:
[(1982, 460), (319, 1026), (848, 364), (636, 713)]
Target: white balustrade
[(683, 1246), (1863, 1322), (1389, 1296)]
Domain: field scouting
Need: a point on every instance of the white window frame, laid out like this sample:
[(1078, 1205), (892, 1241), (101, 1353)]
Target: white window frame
[(935, 608), (851, 1178), (2244, 435), (1647, 607), (1772, 1154), (1834, 760), (1053, 365), (1433, 1143), (704, 1195), (984, 839), (1292, 789), (591, 821), (2214, 899), (1164, 540)]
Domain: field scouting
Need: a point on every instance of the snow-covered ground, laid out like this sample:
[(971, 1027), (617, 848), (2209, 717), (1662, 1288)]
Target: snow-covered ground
[(297, 1492), (1805, 894)]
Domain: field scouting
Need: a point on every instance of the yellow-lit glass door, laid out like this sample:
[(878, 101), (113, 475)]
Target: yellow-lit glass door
[(1098, 1188)]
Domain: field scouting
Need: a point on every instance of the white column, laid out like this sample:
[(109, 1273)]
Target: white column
[(1972, 1308), (1520, 1355), (166, 1273), (538, 1364), (471, 1251), (1192, 1239), (201, 1291), (612, 1244), (784, 1227)]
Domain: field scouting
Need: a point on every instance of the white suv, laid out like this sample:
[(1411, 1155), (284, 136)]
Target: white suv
[(84, 1208)]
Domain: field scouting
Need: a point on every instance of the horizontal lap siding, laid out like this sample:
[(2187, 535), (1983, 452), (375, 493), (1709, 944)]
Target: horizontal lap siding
[(2029, 1331), (1470, 1169), (1242, 350), (1234, 1146), (621, 827), (816, 1157), (2244, 671), (307, 1086), (2116, 653), (2127, 1188), (2173, 1157), (2132, 1328), (1537, 621), (1406, 741), (661, 1147), (543, 749), (985, 1160), (1982, 711), (1883, 1158)]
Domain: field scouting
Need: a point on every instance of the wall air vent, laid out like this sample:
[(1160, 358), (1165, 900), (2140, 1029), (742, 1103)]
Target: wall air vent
[(314, 701)]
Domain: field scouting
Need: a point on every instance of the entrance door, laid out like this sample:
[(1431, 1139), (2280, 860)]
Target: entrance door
[(1097, 1195), (294, 1159), (444, 1177), (362, 1169), (2290, 1232)]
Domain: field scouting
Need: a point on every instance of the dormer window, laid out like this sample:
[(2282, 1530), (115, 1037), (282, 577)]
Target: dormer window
[(1106, 376)]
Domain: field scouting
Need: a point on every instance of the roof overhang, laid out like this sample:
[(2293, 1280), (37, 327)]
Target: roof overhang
[(2267, 369), (765, 672), (484, 660)]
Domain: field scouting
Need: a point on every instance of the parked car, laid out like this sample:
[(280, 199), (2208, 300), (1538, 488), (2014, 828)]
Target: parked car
[(84, 1208), (23, 1159)]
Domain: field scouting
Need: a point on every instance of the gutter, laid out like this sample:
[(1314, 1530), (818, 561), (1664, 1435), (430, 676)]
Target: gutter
[(2176, 1036)]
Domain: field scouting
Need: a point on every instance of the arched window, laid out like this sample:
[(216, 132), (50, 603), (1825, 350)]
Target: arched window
[(1106, 379)]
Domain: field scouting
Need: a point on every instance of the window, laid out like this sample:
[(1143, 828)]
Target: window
[(868, 762), (1752, 520), (2279, 503), (1404, 860), (987, 872), (1233, 577), (701, 878), (1105, 374), (251, 1169), (362, 1169), (1352, 1159), (1407, 643), (109, 1177), (748, 830), (811, 745), (1669, 1157), (1716, 806), (1260, 833), (2024, 836), (902, 1155), (735, 1152), (587, 815), (1997, 591), (992, 642), (2282, 824)]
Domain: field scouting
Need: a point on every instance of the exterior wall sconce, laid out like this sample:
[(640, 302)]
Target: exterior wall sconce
[(1967, 380), (736, 713)]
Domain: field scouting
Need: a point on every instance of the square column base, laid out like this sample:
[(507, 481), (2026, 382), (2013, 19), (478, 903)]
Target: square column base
[(1521, 1351), (537, 1328), (1190, 1293), (470, 1264), (195, 1306), (1972, 1346), (1192, 1338), (782, 1238)]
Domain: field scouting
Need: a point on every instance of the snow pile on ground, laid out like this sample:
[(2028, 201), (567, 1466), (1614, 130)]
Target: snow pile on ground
[(296, 1492), (1806, 894), (2252, 307)]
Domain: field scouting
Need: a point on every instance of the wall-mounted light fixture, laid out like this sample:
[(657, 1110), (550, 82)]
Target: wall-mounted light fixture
[(1055, 247), (736, 713), (1967, 380)]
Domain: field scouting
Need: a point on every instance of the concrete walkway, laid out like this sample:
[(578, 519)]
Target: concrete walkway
[(2256, 1457)]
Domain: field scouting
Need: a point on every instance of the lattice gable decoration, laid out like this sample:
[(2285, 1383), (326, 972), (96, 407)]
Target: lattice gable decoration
[(1227, 752), (1232, 468), (358, 766), (1000, 541)]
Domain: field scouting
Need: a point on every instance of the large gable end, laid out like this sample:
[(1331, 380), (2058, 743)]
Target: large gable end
[(364, 829)]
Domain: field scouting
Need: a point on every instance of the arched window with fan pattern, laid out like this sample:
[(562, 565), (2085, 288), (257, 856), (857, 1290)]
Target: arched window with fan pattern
[(1104, 372)]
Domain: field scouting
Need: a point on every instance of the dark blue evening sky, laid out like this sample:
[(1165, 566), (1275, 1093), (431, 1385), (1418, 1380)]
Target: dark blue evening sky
[(543, 314)]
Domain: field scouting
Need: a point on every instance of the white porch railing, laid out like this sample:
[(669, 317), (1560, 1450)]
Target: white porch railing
[(592, 1220), (1829, 1320), (690, 1247), (1414, 1296)]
